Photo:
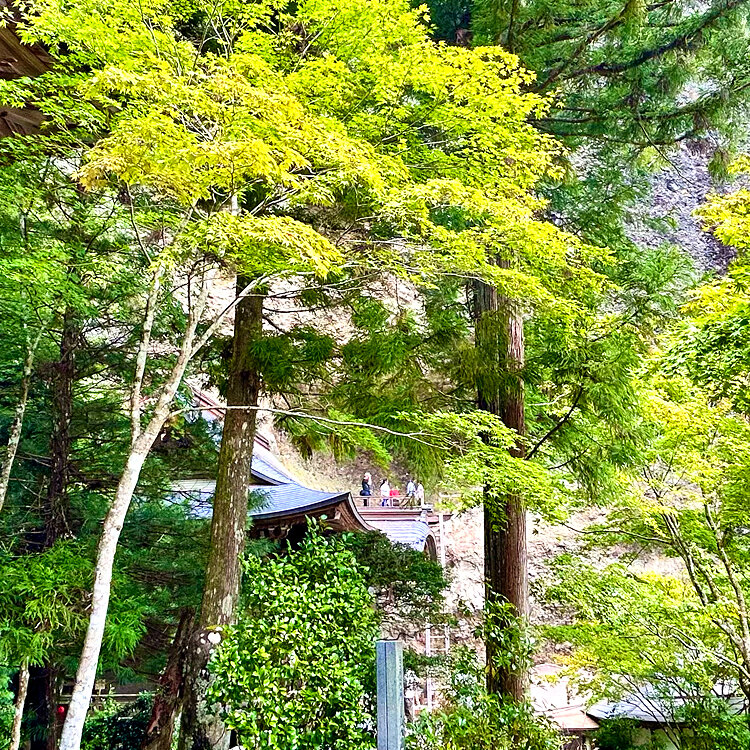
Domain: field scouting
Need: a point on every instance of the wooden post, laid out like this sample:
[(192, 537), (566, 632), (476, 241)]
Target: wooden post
[(442, 538), (428, 652), (390, 660)]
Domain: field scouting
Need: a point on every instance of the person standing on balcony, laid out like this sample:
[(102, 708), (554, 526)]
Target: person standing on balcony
[(366, 490), (411, 492), (385, 492)]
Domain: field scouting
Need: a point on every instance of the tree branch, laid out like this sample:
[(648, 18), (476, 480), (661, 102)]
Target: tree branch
[(142, 356), (416, 436), (557, 425), (14, 439)]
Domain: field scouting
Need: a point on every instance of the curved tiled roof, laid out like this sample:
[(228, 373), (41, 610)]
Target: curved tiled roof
[(412, 533), (277, 500), (277, 494), (268, 468), (280, 496), (649, 705)]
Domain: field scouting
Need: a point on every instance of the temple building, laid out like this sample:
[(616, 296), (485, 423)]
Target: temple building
[(281, 507)]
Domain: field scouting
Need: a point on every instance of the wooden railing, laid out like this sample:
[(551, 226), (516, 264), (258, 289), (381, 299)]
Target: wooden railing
[(393, 501)]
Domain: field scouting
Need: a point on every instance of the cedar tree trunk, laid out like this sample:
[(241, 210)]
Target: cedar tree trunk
[(61, 376), (500, 391), (56, 505), (201, 728), (61, 386), (169, 694)]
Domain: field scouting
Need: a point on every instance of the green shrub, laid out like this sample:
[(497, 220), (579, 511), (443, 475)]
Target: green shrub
[(713, 726), (616, 734), (490, 724), (295, 671), (6, 704), (118, 726), (471, 719)]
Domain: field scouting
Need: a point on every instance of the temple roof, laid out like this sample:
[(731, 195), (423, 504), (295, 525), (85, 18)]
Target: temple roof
[(411, 532), (277, 496), (275, 501), (660, 705), (18, 60), (280, 501), (572, 719)]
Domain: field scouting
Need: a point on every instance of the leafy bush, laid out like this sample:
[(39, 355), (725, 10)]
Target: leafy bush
[(295, 671), (616, 734), (118, 726), (708, 724), (407, 583), (472, 719), (490, 724), (713, 725), (6, 703)]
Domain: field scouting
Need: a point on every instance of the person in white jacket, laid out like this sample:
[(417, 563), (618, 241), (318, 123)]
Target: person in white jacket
[(419, 493), (385, 492)]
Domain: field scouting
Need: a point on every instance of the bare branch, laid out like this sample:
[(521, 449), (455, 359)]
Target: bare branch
[(416, 436), (556, 426), (735, 584), (14, 439)]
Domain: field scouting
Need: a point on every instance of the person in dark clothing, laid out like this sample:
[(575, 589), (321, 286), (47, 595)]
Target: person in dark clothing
[(366, 490)]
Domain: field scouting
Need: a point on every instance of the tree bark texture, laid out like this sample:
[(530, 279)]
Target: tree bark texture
[(61, 379), (201, 728), (23, 687), (60, 376), (41, 703), (61, 387), (169, 694), (500, 391)]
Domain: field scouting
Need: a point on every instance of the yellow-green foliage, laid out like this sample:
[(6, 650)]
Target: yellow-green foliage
[(728, 216), (631, 626), (348, 140), (347, 106)]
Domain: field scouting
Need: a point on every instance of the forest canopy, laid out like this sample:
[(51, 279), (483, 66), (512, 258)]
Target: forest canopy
[(401, 236)]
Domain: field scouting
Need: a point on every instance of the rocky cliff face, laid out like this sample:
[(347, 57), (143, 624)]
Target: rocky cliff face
[(668, 217)]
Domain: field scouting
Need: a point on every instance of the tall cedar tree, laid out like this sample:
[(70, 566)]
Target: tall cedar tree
[(199, 727), (623, 74)]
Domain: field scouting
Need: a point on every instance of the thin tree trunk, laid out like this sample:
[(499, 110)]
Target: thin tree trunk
[(38, 706), (41, 702), (140, 447), (14, 439), (52, 693), (169, 695), (23, 687), (86, 675), (499, 334), (201, 728)]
